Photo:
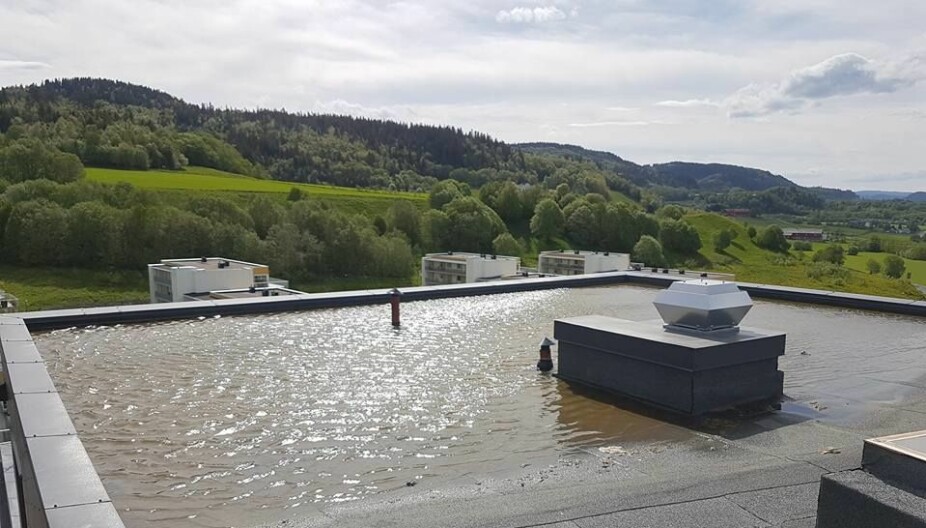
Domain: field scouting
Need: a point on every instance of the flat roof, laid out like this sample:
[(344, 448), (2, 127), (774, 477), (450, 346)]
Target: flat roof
[(243, 293), (211, 263), (461, 256), (582, 253)]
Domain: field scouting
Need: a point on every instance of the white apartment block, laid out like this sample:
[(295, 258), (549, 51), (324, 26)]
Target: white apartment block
[(173, 279), (459, 268), (575, 262)]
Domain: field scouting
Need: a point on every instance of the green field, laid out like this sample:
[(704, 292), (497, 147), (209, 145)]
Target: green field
[(752, 264), (52, 288), (55, 288), (201, 179), (917, 268)]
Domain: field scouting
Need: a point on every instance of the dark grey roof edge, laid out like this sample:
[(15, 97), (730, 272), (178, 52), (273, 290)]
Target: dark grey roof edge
[(54, 319)]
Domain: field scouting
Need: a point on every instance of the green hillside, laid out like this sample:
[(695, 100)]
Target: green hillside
[(752, 264), (53, 288), (205, 179), (202, 179), (916, 268)]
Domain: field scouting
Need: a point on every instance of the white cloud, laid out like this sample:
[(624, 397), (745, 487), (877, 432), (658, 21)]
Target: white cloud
[(840, 75), (531, 15), (596, 124), (22, 65), (844, 74), (687, 103)]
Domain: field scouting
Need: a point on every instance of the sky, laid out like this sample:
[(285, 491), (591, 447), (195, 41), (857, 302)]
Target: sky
[(824, 92)]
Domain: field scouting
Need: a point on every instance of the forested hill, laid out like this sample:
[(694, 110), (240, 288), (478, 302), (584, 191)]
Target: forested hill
[(704, 176), (638, 174), (115, 124), (709, 177), (717, 177)]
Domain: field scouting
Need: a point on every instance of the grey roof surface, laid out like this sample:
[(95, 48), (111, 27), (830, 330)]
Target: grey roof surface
[(761, 471), (211, 263)]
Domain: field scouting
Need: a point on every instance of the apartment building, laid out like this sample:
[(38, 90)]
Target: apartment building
[(173, 279), (458, 268), (575, 262)]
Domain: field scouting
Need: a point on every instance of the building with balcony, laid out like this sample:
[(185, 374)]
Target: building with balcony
[(575, 262), (173, 280), (810, 235), (458, 268)]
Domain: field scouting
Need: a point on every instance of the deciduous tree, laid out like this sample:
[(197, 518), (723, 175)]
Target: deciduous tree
[(547, 222), (649, 251), (894, 266)]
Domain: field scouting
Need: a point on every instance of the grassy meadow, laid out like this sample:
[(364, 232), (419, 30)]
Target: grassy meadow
[(53, 288), (752, 264), (204, 180), (916, 268)]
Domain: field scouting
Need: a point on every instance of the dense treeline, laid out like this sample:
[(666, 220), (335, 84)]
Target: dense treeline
[(889, 215), (776, 200), (85, 224), (580, 214)]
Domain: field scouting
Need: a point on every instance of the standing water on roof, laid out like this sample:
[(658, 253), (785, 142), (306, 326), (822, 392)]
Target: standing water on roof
[(243, 420)]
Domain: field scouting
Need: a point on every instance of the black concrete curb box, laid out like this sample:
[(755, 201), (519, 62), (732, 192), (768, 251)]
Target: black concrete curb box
[(858, 499), (889, 490), (681, 372)]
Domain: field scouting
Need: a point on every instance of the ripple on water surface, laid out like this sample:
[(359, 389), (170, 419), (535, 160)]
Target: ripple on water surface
[(244, 418)]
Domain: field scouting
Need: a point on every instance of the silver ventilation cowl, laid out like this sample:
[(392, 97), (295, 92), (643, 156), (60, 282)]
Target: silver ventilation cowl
[(703, 305)]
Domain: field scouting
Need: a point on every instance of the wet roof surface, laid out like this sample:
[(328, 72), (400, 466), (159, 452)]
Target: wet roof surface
[(729, 471)]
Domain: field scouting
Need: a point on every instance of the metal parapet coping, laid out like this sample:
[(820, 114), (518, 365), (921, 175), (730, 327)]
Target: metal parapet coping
[(57, 485), (54, 319)]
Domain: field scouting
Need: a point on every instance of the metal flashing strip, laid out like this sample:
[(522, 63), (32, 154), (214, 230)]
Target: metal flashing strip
[(912, 445), (55, 319), (55, 480), (899, 459)]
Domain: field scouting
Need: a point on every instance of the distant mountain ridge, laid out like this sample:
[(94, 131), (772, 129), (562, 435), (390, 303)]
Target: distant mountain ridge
[(883, 195), (702, 176)]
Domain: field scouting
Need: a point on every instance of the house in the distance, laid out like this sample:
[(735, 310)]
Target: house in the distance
[(173, 280), (576, 262), (738, 213), (458, 268), (809, 235)]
